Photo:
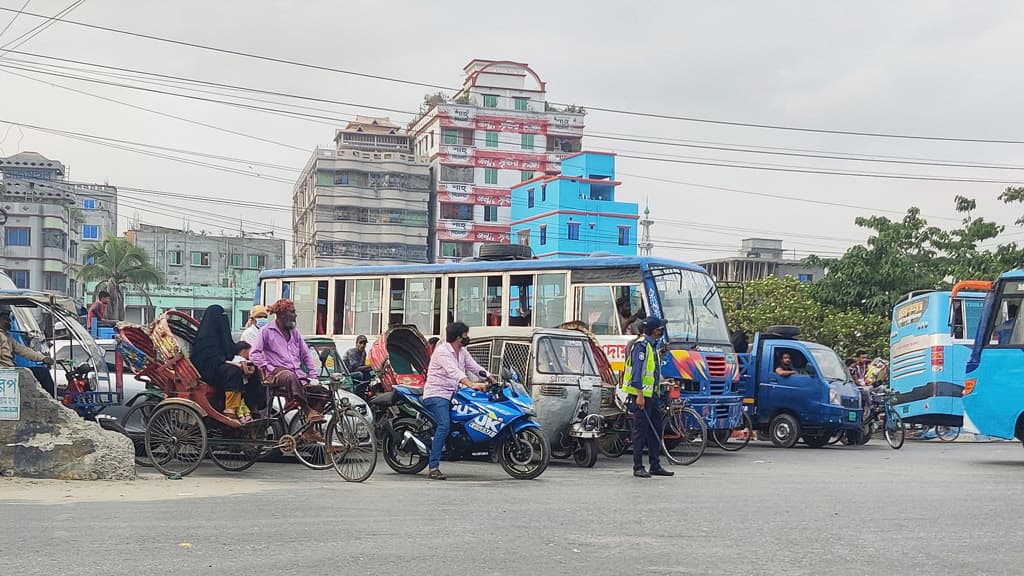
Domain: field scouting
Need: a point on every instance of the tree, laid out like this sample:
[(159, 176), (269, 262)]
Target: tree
[(774, 301), (115, 263)]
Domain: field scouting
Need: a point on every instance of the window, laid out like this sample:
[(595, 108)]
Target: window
[(89, 204), (236, 260), (490, 101), (174, 257), (463, 212), (490, 175), (91, 232), (525, 175), (564, 356), (456, 249), (200, 258), (520, 300), (597, 309), (20, 277), (543, 193), (451, 137), (478, 300), (417, 303), (491, 139), (54, 238), (529, 198), (524, 237), (573, 233), (623, 235), (258, 261), (527, 142), (550, 300), (89, 260), (362, 306), (490, 213), (806, 277), (303, 295), (463, 174), (522, 104), (543, 235), (18, 236), (55, 281)]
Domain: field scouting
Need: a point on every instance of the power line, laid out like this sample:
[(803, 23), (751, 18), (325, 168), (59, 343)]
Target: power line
[(15, 17), (50, 20), (609, 110)]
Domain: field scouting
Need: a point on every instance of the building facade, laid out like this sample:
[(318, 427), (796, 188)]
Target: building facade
[(496, 132), (363, 201), (236, 298), (760, 258), (191, 259), (575, 213)]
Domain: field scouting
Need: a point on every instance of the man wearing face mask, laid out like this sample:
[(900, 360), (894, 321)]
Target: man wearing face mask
[(280, 352), (257, 319), (450, 367)]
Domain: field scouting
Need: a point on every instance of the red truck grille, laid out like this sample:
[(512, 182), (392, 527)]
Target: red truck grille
[(716, 366)]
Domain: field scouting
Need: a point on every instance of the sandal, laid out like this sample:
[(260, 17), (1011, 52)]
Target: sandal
[(314, 417), (436, 474)]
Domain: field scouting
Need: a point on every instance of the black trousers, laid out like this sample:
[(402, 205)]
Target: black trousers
[(42, 374)]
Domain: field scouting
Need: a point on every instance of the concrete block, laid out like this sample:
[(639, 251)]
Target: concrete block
[(51, 441)]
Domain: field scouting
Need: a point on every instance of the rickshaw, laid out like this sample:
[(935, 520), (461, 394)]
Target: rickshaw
[(560, 370), (187, 424), (399, 357)]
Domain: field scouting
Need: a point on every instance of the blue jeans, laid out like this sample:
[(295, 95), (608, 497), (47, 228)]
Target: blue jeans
[(440, 410)]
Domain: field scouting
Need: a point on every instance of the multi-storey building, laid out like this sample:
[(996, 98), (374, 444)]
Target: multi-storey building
[(364, 200), (575, 213), (758, 259), (497, 131)]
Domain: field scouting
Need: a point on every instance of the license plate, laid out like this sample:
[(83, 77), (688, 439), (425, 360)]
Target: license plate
[(853, 416)]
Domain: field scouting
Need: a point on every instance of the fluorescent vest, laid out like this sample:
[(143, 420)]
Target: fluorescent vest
[(647, 377)]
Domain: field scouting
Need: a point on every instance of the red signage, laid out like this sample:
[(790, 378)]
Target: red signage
[(472, 232)]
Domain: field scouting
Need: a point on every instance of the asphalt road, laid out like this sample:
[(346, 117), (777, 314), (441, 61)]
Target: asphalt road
[(929, 508)]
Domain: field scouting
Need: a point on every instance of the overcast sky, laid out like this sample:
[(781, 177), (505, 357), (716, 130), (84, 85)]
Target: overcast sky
[(934, 68)]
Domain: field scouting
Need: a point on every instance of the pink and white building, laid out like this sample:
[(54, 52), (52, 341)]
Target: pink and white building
[(496, 132)]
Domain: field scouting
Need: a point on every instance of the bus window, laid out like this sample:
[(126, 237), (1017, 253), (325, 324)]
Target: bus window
[(362, 306), (269, 296), (469, 298), (321, 307), (396, 314), (286, 290), (629, 303), (972, 316), (304, 298), (339, 306), (418, 304), (494, 301), (520, 300), (596, 309), (437, 307), (550, 300)]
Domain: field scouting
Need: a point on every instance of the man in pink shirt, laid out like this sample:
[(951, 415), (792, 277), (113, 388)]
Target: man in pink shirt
[(450, 367), (280, 353)]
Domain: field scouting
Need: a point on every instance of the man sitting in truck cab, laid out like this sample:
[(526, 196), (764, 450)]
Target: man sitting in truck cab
[(785, 366)]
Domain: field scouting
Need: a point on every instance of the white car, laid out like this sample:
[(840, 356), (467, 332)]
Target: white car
[(105, 380)]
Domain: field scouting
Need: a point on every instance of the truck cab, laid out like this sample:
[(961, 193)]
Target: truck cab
[(817, 401)]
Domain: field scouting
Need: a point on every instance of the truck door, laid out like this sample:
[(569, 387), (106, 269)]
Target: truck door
[(795, 393)]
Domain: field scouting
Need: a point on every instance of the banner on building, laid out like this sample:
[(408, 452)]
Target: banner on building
[(472, 232)]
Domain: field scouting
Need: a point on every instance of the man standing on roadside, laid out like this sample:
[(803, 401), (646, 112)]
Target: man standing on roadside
[(642, 383), (98, 310)]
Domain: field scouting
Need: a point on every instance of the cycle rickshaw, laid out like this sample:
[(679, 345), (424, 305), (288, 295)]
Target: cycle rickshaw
[(183, 427)]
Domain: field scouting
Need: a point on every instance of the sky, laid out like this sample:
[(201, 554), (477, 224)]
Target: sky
[(924, 68)]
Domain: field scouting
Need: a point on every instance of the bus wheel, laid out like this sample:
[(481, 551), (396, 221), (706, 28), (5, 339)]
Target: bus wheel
[(784, 430)]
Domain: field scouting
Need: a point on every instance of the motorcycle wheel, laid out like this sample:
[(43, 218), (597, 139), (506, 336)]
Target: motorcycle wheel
[(585, 455), (530, 459), (400, 460)]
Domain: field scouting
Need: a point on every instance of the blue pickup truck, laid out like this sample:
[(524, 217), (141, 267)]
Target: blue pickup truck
[(814, 403)]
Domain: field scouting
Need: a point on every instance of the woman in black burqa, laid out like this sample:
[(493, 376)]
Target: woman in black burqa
[(212, 353)]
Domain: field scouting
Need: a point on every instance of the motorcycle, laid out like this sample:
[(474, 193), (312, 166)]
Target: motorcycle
[(498, 423)]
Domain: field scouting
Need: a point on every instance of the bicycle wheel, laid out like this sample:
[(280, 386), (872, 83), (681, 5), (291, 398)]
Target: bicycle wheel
[(351, 446), (894, 431), (134, 425), (730, 442), (687, 430), (947, 433), (310, 445)]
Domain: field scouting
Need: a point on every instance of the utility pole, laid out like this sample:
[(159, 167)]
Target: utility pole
[(646, 244)]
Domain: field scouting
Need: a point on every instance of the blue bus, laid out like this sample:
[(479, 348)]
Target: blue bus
[(994, 389), (344, 302), (931, 338)]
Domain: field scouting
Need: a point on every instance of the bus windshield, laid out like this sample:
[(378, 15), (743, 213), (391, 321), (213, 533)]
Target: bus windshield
[(691, 305)]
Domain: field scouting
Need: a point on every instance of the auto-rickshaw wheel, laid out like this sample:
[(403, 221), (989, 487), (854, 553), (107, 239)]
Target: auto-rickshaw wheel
[(585, 454)]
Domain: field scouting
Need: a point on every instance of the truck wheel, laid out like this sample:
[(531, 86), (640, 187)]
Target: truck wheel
[(784, 430), (816, 440)]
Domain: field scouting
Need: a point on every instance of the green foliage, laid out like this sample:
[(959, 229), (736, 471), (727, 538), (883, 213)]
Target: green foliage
[(116, 262), (775, 301)]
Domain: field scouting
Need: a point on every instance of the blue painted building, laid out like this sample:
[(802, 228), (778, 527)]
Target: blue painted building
[(575, 213)]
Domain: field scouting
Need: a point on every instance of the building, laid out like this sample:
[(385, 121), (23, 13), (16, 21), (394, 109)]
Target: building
[(497, 131), (363, 201), (760, 258), (91, 216), (188, 258), (574, 213), (236, 298), (41, 242)]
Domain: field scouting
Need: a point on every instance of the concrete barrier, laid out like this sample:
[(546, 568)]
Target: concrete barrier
[(51, 441)]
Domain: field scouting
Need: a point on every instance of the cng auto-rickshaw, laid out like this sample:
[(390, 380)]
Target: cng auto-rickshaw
[(559, 369)]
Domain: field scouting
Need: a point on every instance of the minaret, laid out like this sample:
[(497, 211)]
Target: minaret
[(645, 244)]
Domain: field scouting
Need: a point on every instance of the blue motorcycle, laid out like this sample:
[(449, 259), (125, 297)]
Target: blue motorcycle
[(498, 423)]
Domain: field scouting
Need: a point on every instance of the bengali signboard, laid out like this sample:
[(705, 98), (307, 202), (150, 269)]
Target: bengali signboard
[(469, 194), (10, 395), (472, 232)]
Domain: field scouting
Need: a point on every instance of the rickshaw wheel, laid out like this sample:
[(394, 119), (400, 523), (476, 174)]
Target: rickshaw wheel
[(585, 454), (234, 454), (176, 439), (351, 446), (136, 419)]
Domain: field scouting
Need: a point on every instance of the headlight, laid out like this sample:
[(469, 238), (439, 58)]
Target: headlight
[(833, 396)]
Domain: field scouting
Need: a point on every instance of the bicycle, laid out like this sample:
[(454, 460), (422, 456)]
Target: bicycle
[(684, 435)]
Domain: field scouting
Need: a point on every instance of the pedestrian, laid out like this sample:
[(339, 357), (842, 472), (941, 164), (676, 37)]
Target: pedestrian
[(642, 384), (98, 310), (450, 367)]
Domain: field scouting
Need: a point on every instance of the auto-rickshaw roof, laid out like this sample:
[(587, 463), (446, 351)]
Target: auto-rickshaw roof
[(36, 298)]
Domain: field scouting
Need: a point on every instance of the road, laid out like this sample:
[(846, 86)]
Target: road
[(929, 508)]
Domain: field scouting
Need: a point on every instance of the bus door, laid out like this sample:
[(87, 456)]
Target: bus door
[(994, 392)]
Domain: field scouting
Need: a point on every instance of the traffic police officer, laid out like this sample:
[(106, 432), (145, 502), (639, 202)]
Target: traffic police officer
[(642, 383)]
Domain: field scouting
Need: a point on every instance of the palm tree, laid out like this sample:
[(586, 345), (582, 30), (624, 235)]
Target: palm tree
[(116, 262)]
